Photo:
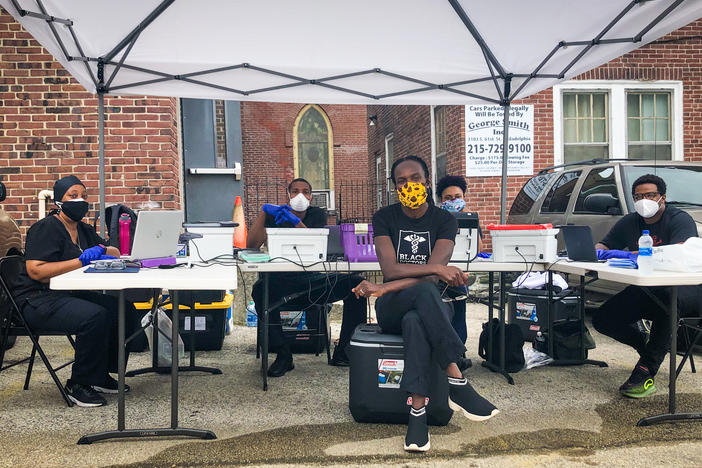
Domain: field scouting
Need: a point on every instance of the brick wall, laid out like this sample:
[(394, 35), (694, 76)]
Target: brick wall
[(677, 56), (48, 129), (267, 144)]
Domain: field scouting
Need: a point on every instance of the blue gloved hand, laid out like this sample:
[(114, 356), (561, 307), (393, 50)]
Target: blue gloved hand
[(286, 215), (603, 254), (484, 255), (107, 257), (91, 254), (272, 210)]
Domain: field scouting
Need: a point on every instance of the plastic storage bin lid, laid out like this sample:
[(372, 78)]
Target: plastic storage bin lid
[(518, 227), (225, 304)]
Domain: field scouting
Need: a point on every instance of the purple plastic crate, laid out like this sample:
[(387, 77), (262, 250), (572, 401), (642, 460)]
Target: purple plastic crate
[(358, 247)]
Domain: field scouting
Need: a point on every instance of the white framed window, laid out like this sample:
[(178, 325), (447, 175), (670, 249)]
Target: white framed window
[(617, 119)]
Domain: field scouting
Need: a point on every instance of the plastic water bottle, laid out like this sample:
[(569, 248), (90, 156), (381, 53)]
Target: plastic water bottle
[(303, 322), (251, 317), (645, 259), (125, 246)]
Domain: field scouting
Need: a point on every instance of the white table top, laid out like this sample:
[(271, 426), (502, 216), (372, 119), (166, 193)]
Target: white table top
[(477, 266), (215, 277), (626, 276)]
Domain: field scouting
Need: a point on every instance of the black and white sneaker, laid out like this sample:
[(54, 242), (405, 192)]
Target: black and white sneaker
[(464, 399), (83, 395), (417, 438), (109, 386)]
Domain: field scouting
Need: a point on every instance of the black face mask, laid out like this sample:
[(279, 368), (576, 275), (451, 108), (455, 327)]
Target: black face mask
[(75, 209)]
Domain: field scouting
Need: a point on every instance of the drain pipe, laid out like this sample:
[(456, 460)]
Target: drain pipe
[(43, 196)]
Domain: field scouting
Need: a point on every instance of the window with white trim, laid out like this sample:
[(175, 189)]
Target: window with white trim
[(648, 125), (585, 130), (617, 119)]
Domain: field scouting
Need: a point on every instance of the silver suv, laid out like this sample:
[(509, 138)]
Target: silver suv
[(597, 193)]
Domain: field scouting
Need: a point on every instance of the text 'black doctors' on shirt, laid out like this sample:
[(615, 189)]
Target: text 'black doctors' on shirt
[(414, 239), (315, 217), (674, 227)]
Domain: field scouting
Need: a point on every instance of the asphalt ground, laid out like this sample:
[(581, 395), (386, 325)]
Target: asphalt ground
[(566, 416)]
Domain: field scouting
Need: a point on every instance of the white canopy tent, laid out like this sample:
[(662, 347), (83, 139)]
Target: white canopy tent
[(335, 52)]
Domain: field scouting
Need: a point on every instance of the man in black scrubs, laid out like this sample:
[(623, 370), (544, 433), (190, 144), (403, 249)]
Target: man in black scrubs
[(326, 288), (57, 244), (618, 317)]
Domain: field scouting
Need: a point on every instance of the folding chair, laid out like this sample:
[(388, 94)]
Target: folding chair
[(689, 325), (12, 322)]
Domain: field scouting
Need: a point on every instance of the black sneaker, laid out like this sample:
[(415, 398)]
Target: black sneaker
[(464, 399), (339, 358), (417, 438), (639, 384), (109, 386), (83, 395), (282, 364)]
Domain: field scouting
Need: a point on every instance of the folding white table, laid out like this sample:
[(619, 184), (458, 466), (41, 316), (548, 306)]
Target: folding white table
[(644, 280), (182, 278), (482, 266)]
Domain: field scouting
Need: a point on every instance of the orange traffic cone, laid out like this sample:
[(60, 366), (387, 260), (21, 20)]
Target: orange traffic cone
[(240, 232)]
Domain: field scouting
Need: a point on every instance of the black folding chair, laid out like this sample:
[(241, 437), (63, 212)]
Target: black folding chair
[(692, 332), (12, 322)]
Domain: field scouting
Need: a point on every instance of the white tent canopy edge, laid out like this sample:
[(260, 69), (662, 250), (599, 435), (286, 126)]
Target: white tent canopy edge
[(370, 52)]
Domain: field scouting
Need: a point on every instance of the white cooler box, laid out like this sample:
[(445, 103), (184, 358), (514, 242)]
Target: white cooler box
[(216, 241), (533, 243), (300, 245)]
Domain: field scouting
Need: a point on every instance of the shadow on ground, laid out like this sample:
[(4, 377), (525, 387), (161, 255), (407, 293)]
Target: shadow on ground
[(307, 444)]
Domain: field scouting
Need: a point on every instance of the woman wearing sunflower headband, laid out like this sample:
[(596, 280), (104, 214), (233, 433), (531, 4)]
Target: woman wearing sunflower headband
[(414, 241)]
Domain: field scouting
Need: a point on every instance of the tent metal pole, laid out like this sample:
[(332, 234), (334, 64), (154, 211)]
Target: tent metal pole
[(505, 153), (101, 158), (505, 149)]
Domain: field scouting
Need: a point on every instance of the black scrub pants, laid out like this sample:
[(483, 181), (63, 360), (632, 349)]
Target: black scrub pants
[(324, 289), (424, 320), (92, 318), (618, 316)]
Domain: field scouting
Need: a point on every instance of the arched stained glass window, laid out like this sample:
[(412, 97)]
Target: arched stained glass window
[(313, 148)]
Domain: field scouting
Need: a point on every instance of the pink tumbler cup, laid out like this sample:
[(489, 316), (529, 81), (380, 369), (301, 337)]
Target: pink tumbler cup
[(125, 246)]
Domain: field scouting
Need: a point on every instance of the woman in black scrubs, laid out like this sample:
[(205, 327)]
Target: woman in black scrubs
[(57, 244)]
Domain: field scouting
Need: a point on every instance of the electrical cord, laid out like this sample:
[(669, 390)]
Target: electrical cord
[(526, 266)]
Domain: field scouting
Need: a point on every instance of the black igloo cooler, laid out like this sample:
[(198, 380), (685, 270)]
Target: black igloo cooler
[(377, 365)]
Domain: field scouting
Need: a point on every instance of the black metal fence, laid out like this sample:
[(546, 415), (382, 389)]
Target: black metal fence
[(356, 200)]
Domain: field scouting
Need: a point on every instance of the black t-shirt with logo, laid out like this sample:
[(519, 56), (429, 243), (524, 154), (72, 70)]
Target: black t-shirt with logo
[(414, 239), (675, 226), (49, 241)]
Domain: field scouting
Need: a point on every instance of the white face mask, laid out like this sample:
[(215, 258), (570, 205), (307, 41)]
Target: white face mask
[(299, 202), (647, 208)]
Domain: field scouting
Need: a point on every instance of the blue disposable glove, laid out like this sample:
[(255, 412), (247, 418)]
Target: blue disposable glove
[(484, 255), (603, 254), (272, 210), (107, 257), (285, 215), (91, 254)]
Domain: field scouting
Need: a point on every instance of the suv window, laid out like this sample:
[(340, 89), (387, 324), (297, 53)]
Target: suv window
[(529, 193), (557, 198), (597, 181)]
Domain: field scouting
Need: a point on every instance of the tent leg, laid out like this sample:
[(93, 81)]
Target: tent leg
[(505, 152), (101, 157)]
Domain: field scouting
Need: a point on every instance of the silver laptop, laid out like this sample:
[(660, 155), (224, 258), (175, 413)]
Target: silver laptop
[(156, 234)]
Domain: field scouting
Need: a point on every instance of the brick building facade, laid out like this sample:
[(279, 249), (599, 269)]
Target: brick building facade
[(670, 66), (48, 129)]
